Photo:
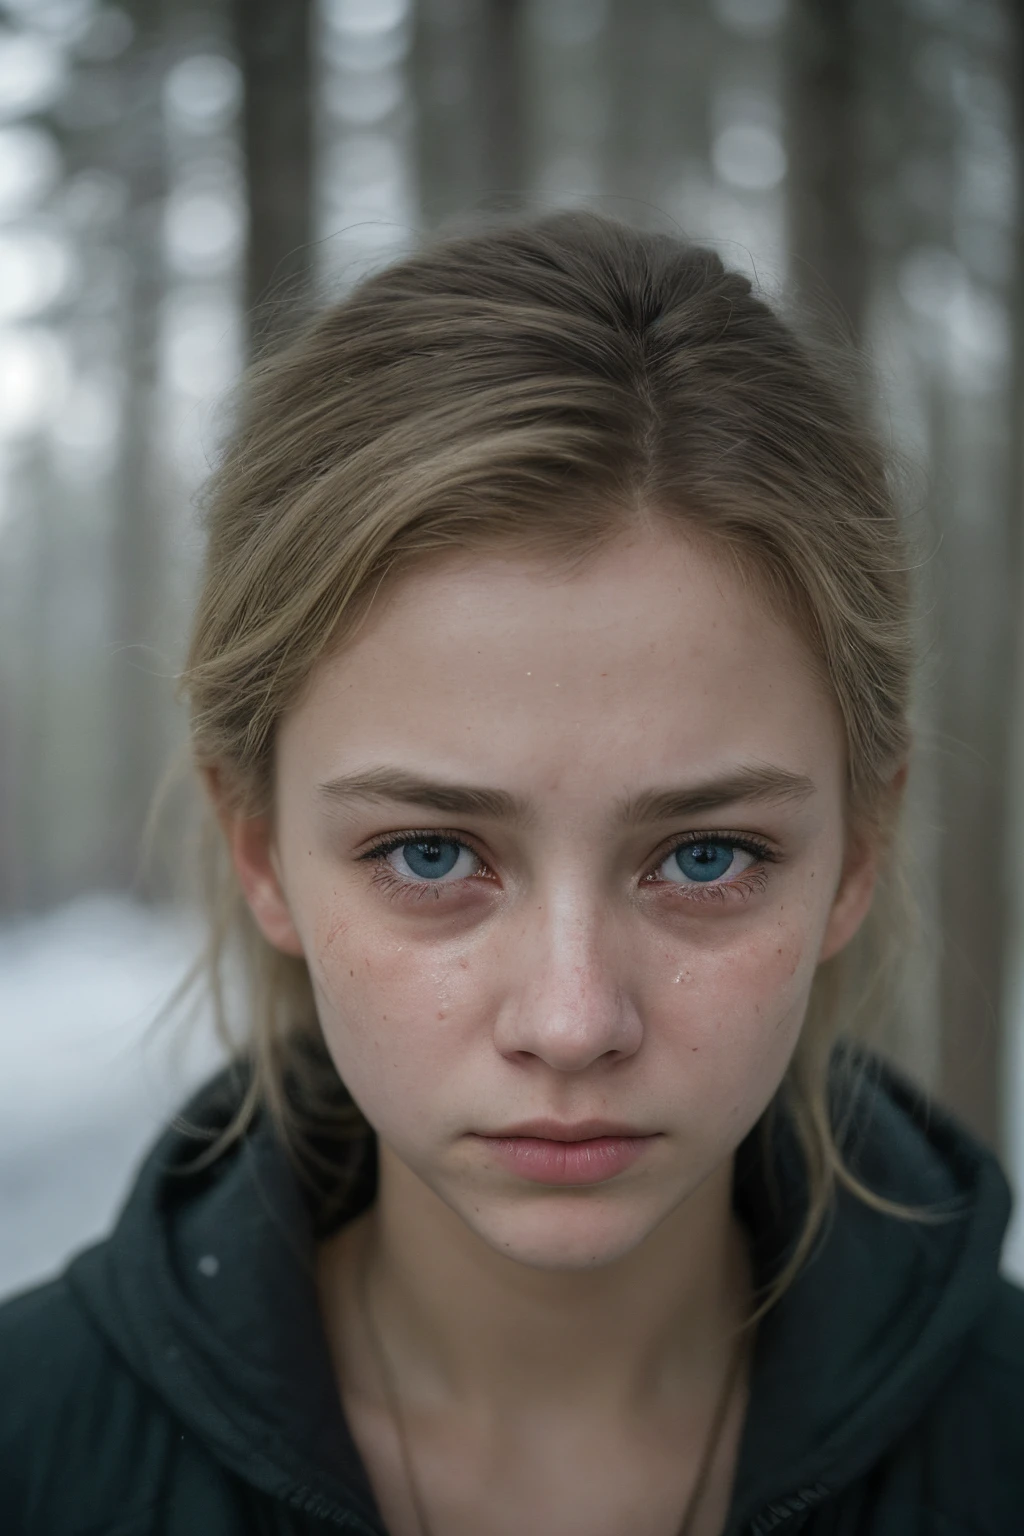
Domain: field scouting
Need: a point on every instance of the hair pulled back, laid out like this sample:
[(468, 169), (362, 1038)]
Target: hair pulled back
[(539, 388)]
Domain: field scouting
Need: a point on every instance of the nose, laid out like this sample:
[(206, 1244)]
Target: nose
[(565, 1002)]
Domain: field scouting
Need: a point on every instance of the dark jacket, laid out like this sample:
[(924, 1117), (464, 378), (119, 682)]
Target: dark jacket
[(174, 1381)]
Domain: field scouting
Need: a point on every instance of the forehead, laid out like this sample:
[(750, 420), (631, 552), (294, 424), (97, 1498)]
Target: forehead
[(655, 649)]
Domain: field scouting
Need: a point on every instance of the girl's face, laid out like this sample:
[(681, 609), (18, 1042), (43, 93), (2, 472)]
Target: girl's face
[(561, 849)]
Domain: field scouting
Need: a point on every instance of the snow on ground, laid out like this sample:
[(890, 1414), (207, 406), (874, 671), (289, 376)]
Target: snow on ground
[(85, 1084)]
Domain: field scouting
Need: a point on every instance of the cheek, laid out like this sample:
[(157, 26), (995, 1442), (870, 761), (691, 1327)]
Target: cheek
[(386, 1010), (733, 1019), (756, 978)]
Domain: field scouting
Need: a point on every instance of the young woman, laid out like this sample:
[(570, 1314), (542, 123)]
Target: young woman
[(549, 684)]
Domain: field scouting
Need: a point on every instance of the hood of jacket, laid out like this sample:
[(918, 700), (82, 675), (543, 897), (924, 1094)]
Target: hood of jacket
[(206, 1290)]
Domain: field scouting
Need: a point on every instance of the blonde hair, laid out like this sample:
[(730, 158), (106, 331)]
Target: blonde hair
[(541, 388)]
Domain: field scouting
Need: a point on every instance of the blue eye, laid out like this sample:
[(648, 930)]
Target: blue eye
[(698, 866), (430, 860), (711, 860)]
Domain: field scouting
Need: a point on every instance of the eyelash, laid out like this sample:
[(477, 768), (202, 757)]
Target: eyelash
[(747, 884)]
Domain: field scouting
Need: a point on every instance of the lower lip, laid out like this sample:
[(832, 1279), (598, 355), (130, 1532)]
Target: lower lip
[(568, 1162)]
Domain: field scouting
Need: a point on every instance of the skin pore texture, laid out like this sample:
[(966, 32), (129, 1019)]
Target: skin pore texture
[(558, 1349)]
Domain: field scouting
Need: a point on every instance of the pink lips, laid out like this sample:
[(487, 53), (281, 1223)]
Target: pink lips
[(587, 1153)]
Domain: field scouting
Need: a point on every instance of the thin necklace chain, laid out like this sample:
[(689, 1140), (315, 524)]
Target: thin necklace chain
[(391, 1394)]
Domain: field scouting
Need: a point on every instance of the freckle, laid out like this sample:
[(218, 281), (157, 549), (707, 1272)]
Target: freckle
[(351, 973), (780, 951)]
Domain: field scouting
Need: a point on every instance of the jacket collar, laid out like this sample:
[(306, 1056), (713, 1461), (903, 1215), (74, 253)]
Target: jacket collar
[(206, 1289), (857, 1347)]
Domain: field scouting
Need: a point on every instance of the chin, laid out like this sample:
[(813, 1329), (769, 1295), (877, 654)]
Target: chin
[(555, 1230)]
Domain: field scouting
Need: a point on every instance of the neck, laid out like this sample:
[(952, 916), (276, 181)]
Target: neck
[(465, 1326)]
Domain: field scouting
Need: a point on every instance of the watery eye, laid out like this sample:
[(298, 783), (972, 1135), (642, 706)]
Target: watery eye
[(705, 862), (429, 860)]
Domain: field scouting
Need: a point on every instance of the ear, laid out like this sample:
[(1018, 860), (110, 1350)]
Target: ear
[(857, 883), (250, 844)]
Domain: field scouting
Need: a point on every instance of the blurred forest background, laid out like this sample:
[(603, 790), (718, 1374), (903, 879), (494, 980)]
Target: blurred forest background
[(175, 175)]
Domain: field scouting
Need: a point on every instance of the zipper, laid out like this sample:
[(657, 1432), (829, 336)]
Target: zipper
[(792, 1512)]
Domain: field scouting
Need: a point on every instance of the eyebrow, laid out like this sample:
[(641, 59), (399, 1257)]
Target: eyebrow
[(762, 782)]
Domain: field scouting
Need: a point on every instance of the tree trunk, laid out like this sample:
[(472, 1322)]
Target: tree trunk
[(446, 133), (273, 42), (984, 598), (136, 533), (828, 254), (502, 104), (26, 708)]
